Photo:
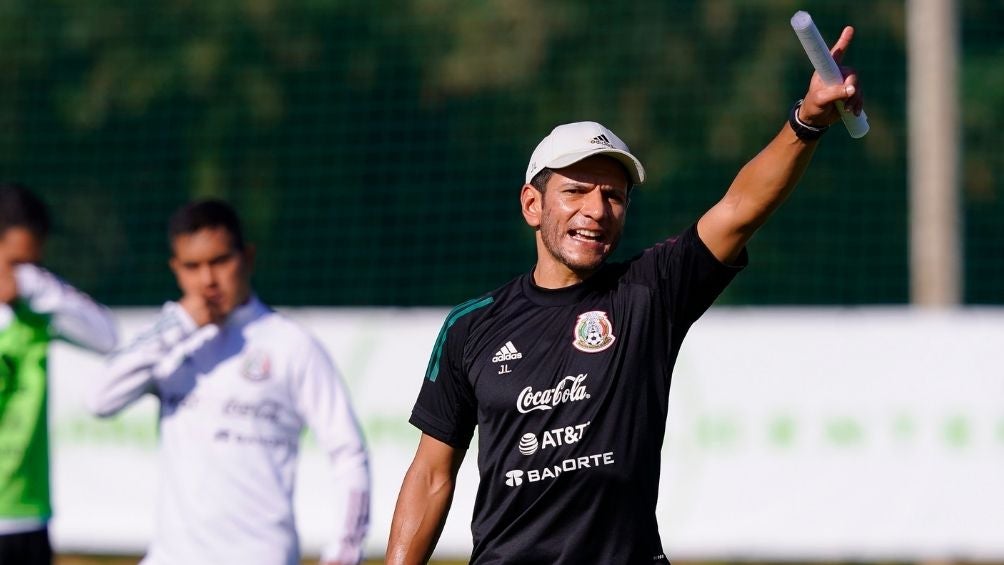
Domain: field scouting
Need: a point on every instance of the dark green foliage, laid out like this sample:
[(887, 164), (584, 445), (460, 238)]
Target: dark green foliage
[(376, 149)]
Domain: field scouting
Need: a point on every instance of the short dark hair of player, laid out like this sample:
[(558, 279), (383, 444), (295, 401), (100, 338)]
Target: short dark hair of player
[(20, 208), (203, 214), (539, 180)]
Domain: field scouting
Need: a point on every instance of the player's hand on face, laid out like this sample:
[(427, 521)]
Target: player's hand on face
[(8, 284), (819, 109), (202, 311)]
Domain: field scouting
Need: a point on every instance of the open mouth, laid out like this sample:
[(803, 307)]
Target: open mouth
[(589, 236)]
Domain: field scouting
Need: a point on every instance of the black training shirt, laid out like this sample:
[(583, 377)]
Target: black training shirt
[(569, 389)]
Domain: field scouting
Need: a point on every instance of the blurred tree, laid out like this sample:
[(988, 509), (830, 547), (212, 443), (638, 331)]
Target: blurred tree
[(376, 148)]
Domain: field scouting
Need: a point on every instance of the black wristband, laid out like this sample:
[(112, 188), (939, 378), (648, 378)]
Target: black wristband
[(802, 130)]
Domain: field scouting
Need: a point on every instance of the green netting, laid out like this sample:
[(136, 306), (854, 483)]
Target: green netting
[(376, 148), (982, 90)]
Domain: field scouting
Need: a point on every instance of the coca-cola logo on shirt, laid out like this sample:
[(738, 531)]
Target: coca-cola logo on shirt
[(569, 389)]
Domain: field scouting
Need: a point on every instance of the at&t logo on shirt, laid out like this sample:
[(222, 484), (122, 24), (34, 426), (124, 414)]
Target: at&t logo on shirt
[(528, 444)]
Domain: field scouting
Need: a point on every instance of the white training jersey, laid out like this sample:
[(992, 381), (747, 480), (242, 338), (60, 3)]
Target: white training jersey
[(74, 316), (234, 400)]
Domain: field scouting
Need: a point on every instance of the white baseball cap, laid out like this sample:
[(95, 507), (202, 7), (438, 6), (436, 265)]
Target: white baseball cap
[(568, 144)]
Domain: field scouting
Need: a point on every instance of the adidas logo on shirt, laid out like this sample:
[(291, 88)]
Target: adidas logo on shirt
[(601, 140), (507, 353)]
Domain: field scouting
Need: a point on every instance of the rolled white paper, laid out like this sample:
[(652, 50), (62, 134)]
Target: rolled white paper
[(819, 55)]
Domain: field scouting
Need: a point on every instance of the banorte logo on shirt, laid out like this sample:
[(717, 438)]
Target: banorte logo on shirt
[(569, 389)]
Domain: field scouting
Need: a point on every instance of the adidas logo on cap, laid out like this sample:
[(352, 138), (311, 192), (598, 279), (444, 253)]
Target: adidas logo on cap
[(602, 140), (568, 144)]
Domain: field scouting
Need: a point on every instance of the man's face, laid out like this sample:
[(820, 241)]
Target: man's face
[(20, 245), (207, 265), (580, 217)]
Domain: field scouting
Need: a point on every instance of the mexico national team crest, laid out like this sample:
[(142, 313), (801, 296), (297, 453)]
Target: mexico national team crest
[(257, 366), (593, 332)]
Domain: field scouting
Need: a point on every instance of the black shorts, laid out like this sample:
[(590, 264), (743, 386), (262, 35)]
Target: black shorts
[(26, 548)]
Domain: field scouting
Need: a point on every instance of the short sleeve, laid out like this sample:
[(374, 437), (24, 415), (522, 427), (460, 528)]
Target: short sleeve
[(446, 408), (687, 275)]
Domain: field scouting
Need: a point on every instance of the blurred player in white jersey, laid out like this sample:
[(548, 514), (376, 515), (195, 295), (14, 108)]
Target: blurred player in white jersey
[(35, 308), (237, 384)]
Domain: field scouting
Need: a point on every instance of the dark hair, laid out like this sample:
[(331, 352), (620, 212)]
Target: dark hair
[(19, 207), (539, 180), (203, 214)]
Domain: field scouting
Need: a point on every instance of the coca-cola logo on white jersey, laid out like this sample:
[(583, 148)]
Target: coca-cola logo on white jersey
[(569, 389)]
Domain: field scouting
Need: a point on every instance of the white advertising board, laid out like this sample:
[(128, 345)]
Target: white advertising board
[(793, 433)]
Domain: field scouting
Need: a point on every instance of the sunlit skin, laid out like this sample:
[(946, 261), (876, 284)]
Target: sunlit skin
[(20, 245), (213, 275), (17, 245), (759, 188), (578, 218)]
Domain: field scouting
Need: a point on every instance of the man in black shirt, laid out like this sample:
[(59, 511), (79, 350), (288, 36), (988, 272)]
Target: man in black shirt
[(566, 370)]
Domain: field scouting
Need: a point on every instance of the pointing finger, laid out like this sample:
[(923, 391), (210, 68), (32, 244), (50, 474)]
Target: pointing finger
[(840, 47)]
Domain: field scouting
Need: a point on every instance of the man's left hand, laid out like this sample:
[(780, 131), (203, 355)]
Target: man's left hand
[(818, 108)]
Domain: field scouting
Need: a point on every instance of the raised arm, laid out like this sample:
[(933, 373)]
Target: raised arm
[(767, 180), (424, 502), (131, 370), (74, 316)]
